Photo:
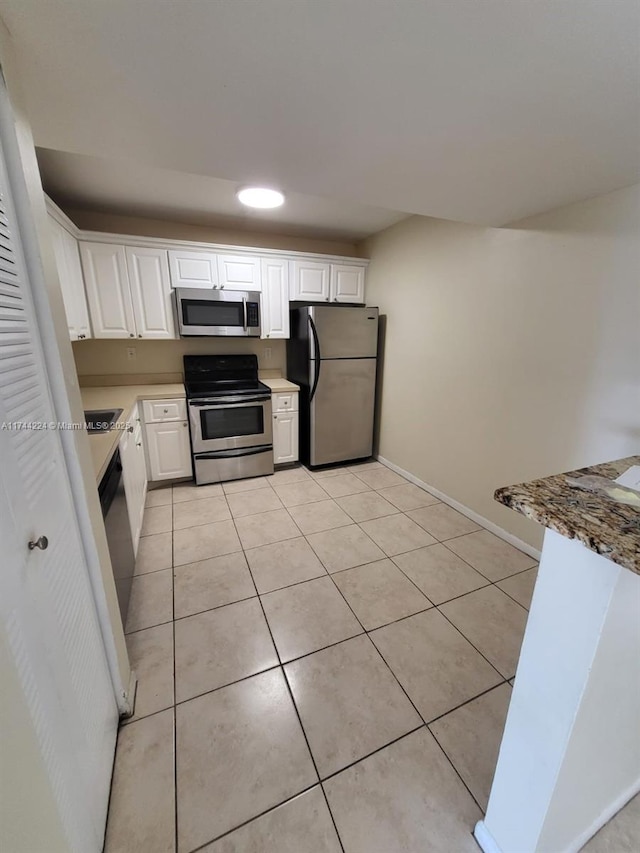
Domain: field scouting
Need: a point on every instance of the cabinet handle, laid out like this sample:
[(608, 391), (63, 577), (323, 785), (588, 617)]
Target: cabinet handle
[(131, 335), (166, 411), (129, 429), (222, 287), (275, 417), (184, 424), (139, 336), (138, 444)]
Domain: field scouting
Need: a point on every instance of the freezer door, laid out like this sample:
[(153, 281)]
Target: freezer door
[(344, 332), (342, 411)]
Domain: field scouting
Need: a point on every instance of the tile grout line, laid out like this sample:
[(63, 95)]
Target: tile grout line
[(251, 819), (280, 665), (293, 701), (175, 710)]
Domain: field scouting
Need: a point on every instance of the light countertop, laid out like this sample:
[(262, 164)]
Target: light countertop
[(279, 384), (103, 444), (600, 523)]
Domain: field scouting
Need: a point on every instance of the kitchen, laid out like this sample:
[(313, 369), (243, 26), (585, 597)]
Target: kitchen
[(280, 540)]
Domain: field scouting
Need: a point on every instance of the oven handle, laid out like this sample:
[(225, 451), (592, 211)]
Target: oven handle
[(244, 312), (237, 451), (225, 402)]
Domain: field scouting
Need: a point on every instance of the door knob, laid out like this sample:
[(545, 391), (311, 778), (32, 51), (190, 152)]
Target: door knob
[(42, 543)]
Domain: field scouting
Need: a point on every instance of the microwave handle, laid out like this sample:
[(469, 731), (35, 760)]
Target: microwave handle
[(244, 312)]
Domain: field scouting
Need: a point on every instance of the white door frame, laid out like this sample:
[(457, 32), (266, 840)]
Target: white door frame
[(57, 384)]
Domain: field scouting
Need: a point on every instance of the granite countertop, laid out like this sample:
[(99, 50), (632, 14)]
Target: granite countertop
[(600, 523), (103, 444)]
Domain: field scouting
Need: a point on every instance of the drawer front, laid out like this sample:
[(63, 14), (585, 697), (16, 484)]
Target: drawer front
[(157, 411), (285, 401)]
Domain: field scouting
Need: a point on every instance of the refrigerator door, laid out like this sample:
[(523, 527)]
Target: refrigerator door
[(341, 419), (344, 332)]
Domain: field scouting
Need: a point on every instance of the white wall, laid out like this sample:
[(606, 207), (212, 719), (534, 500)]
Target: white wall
[(511, 353)]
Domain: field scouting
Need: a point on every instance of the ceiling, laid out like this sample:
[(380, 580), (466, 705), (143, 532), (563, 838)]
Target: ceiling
[(136, 189), (481, 112)]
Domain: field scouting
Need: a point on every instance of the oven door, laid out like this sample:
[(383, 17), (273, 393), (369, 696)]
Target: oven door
[(218, 313), (227, 423)]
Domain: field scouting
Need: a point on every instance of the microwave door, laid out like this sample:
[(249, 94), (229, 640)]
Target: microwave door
[(231, 314)]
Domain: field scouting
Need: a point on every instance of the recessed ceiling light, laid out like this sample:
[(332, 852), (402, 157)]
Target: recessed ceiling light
[(260, 197)]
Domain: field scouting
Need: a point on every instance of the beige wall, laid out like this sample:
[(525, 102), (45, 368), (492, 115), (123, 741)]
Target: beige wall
[(115, 224), (95, 357), (511, 353)]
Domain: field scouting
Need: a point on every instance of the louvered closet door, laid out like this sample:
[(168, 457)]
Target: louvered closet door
[(47, 610)]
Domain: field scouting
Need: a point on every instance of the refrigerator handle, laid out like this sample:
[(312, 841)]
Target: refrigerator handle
[(316, 344)]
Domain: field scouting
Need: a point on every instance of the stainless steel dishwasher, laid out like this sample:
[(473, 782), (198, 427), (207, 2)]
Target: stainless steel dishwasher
[(116, 522)]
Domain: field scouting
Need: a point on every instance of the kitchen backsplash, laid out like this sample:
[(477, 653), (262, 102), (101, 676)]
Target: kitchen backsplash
[(109, 359)]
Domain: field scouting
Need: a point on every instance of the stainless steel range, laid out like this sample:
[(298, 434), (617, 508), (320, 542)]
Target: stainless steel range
[(229, 418)]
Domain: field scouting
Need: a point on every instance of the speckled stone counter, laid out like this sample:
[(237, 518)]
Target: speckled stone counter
[(600, 523)]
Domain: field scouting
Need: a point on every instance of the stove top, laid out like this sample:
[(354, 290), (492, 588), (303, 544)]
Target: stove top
[(226, 388), (222, 375)]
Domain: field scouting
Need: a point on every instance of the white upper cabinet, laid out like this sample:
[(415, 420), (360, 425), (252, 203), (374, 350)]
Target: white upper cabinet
[(193, 269), (65, 247), (129, 291), (274, 307), (151, 293), (347, 283), (108, 291), (317, 281), (239, 272), (310, 281)]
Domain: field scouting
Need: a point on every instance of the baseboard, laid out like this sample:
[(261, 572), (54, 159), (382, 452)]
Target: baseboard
[(474, 516), (485, 840), (605, 816)]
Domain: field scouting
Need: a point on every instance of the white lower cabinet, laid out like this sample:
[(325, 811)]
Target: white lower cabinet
[(285, 437), (134, 474), (285, 427), (168, 450), (168, 446)]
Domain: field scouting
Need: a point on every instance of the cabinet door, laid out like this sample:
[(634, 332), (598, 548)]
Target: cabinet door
[(129, 459), (140, 473), (64, 275), (169, 450), (347, 283), (108, 292), (76, 279), (193, 269), (274, 320), (310, 281), (238, 272), (151, 293), (285, 437)]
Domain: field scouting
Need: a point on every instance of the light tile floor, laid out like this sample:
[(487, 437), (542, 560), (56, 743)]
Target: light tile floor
[(325, 663)]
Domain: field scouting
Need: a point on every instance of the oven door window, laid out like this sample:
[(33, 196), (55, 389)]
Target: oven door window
[(202, 312), (231, 422)]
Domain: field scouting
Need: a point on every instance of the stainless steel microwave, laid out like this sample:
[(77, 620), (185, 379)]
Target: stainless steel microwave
[(224, 313)]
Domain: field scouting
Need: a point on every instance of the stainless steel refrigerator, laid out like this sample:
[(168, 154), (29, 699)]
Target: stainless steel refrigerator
[(332, 355)]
